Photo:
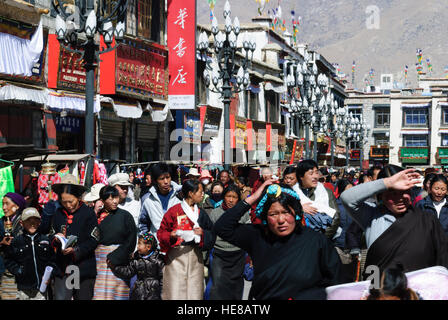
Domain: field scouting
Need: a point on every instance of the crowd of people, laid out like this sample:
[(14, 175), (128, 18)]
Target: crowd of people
[(297, 232)]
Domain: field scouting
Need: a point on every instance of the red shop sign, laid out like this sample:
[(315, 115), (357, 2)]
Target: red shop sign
[(141, 71), (72, 74), (181, 42)]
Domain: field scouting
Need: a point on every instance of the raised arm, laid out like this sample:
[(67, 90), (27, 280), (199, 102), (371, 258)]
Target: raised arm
[(228, 226), (354, 198)]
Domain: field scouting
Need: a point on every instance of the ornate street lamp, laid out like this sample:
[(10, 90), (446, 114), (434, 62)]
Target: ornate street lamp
[(362, 130), (346, 126), (301, 84), (86, 20), (227, 79), (319, 118), (333, 111)]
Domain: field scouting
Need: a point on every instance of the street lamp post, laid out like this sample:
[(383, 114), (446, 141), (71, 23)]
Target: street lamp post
[(332, 126), (346, 126), (320, 118), (86, 22), (225, 47), (301, 81), (363, 133)]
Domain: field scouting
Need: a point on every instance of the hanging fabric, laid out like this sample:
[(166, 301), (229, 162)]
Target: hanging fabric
[(82, 172), (6, 183), (75, 171), (43, 187), (19, 55), (96, 172), (102, 174), (64, 171)]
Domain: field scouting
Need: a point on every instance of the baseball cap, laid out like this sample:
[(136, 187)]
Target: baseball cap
[(121, 179), (29, 213)]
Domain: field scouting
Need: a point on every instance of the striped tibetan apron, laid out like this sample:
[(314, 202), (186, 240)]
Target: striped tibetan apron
[(107, 285)]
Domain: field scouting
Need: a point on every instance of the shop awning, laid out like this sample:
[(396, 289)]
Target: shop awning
[(416, 105), (160, 115), (414, 132), (16, 93), (278, 88), (59, 101), (57, 157), (125, 110), (56, 101)]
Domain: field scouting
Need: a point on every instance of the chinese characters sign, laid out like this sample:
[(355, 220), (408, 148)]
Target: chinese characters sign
[(72, 74), (182, 53), (141, 70)]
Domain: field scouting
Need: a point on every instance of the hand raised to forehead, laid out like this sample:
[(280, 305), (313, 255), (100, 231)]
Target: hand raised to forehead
[(403, 180)]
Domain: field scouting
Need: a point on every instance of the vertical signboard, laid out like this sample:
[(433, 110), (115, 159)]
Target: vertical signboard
[(182, 53)]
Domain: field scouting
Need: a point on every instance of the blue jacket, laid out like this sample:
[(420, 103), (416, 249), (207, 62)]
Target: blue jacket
[(345, 221), (427, 205)]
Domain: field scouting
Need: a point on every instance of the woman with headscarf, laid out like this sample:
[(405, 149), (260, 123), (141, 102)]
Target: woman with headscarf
[(227, 260), (184, 232), (117, 240), (289, 260), (12, 205), (395, 231)]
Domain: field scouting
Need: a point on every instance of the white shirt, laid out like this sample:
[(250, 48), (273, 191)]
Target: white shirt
[(438, 206)]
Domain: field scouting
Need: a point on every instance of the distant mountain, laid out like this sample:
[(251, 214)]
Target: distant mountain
[(343, 31)]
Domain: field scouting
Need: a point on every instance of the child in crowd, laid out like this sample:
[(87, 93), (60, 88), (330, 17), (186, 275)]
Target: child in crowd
[(147, 264), (28, 256)]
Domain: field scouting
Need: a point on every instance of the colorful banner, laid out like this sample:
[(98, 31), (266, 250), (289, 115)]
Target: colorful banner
[(181, 27), (6, 183)]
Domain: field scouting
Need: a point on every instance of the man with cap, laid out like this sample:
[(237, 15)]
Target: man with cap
[(92, 198), (193, 173), (28, 256), (121, 182)]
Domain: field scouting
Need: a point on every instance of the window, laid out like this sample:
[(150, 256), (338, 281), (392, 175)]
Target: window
[(416, 140), (144, 18), (415, 117), (386, 79), (356, 113), (381, 139), (201, 88), (253, 105), (382, 118), (355, 144), (156, 21), (444, 140), (445, 116), (272, 109), (131, 18)]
